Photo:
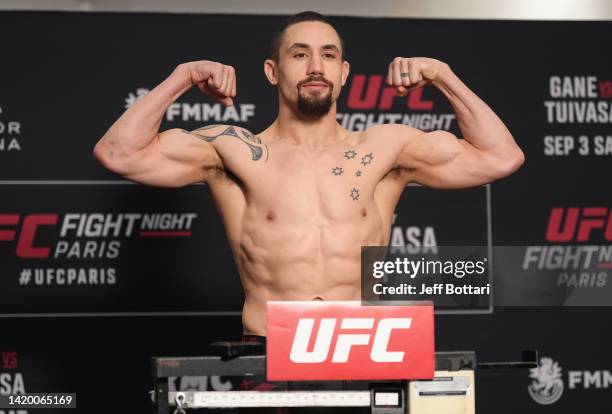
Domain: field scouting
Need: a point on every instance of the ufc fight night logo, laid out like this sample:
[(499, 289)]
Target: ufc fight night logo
[(578, 224), (344, 340), (367, 92), (90, 233), (29, 227), (370, 102)]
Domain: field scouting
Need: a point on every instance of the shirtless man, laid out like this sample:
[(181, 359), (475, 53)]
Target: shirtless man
[(300, 198)]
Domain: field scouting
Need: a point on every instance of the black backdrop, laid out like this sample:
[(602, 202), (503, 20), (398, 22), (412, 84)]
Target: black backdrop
[(65, 77)]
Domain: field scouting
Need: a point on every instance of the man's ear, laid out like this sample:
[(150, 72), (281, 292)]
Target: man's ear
[(346, 67), (271, 71)]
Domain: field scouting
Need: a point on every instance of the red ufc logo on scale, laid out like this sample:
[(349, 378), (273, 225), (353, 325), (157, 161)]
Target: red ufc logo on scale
[(345, 341)]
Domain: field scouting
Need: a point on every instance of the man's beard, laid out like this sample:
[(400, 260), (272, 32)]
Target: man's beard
[(315, 106)]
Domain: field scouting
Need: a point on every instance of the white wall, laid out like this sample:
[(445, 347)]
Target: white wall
[(454, 9)]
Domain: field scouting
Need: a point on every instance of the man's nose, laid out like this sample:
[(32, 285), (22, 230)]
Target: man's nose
[(315, 65)]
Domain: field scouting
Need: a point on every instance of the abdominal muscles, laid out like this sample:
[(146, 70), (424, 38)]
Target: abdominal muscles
[(301, 256)]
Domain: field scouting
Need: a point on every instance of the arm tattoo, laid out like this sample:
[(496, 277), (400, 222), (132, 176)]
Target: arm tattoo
[(248, 138)]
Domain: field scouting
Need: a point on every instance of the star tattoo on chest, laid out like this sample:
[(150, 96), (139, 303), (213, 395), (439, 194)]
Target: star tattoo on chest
[(337, 171), (350, 154), (367, 159), (355, 194), (358, 173)]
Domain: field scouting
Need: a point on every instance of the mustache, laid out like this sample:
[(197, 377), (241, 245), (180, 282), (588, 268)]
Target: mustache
[(315, 79)]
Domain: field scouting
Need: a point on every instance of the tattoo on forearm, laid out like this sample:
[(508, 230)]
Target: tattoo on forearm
[(246, 137)]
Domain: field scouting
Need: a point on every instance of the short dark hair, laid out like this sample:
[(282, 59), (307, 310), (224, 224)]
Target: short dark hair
[(305, 16)]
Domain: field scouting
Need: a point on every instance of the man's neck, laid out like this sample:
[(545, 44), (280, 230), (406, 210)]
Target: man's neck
[(313, 133)]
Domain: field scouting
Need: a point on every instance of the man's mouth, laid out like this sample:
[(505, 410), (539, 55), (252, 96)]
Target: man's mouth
[(315, 85)]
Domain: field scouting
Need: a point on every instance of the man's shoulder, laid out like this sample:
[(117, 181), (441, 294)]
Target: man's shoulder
[(212, 132), (226, 139)]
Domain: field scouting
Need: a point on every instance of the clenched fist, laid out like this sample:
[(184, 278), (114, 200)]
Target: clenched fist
[(411, 73), (214, 79)]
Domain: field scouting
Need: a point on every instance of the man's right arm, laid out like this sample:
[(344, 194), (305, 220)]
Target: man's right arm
[(134, 148)]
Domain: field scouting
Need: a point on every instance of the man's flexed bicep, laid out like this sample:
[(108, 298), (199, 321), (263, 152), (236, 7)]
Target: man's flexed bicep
[(175, 158), (439, 159), (134, 147)]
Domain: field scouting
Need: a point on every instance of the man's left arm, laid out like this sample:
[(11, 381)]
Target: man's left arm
[(439, 159)]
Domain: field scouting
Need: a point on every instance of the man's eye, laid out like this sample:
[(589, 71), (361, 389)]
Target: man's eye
[(299, 55), (329, 55)]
